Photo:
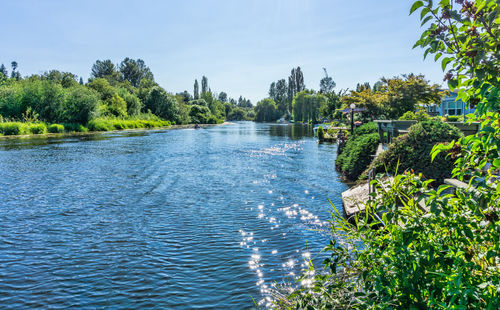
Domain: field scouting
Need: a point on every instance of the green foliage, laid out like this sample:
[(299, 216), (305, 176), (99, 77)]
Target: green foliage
[(357, 155), (266, 111), (444, 255), (162, 104), (201, 102), (45, 98), (11, 100), (81, 105), (55, 128), (18, 128), (36, 128), (116, 106), (13, 128), (199, 114), (306, 105), (418, 116), (134, 71), (108, 124), (102, 86), (365, 129), (236, 114), (134, 104), (320, 133), (393, 96), (75, 127), (413, 151)]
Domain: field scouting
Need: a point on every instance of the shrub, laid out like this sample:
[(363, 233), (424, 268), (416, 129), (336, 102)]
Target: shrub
[(162, 104), (75, 127), (105, 124), (201, 102), (55, 128), (13, 128), (36, 128), (199, 114), (116, 106), (365, 129), (357, 155), (10, 101), (413, 151), (320, 133), (81, 105), (415, 116)]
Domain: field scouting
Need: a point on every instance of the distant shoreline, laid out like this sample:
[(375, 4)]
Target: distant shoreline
[(91, 133)]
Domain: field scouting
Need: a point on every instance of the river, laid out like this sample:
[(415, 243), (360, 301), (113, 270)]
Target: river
[(176, 219)]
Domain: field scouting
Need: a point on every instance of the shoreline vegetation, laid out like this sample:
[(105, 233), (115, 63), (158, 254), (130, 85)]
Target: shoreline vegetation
[(115, 97), (87, 132)]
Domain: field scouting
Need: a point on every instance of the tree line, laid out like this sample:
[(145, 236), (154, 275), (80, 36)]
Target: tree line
[(388, 98), (124, 90)]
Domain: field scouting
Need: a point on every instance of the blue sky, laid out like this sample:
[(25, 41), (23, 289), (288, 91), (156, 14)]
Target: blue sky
[(240, 45)]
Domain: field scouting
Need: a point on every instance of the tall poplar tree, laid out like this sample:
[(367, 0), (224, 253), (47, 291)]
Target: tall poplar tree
[(204, 84), (196, 91)]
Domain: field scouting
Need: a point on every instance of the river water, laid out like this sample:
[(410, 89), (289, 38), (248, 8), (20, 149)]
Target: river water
[(178, 219)]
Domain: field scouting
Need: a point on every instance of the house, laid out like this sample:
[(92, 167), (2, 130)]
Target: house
[(449, 106)]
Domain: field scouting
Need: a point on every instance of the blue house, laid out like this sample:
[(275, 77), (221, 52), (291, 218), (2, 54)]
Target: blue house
[(449, 106)]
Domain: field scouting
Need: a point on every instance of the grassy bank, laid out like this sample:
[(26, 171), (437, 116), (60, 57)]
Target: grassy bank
[(100, 124)]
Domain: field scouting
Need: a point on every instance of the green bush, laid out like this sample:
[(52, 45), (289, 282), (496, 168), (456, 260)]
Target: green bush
[(357, 155), (55, 128), (320, 133), (104, 124), (366, 129), (199, 114), (412, 151), (81, 105), (13, 128), (75, 127), (36, 128), (415, 116)]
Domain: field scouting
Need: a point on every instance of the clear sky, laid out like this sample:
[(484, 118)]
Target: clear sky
[(240, 45)]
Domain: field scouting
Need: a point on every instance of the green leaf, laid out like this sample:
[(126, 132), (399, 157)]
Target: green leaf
[(415, 6), (428, 18), (445, 62), (424, 12), (496, 163)]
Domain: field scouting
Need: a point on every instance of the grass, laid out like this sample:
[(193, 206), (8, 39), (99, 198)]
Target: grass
[(98, 124), (18, 128), (106, 124)]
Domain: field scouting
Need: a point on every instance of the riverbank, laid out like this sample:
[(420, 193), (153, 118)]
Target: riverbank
[(90, 133)]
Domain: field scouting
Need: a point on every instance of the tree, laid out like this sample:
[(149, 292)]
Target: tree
[(3, 70), (326, 84), (14, 74), (199, 114), (223, 96), (162, 104), (266, 111), (281, 96), (404, 94), (185, 96), (102, 69), (299, 80), (196, 91), (204, 84), (81, 105), (306, 105), (272, 91), (102, 86), (81, 81), (134, 71), (116, 106)]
